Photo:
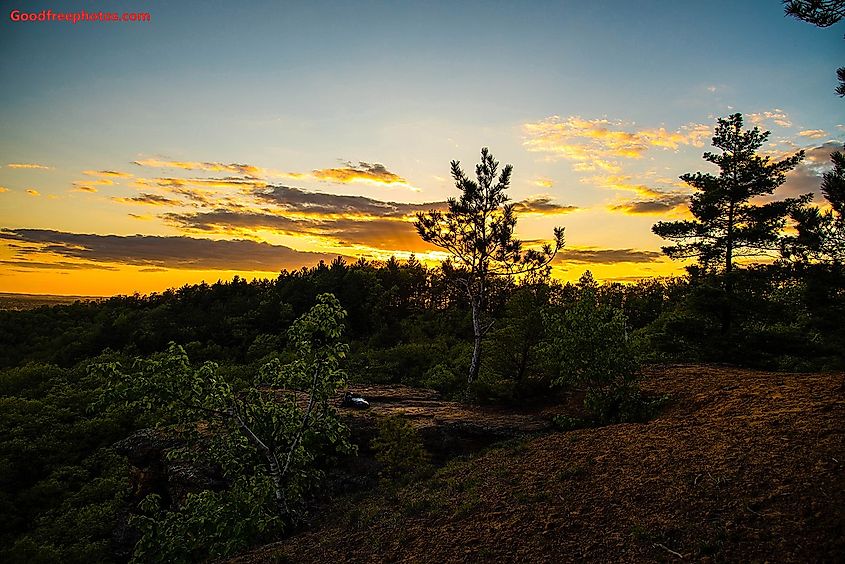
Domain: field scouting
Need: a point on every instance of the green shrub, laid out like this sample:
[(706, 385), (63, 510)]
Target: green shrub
[(591, 347), (441, 378), (400, 450)]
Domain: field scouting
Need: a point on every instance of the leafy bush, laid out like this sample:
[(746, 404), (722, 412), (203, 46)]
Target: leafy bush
[(443, 379), (400, 450), (590, 345), (267, 441)]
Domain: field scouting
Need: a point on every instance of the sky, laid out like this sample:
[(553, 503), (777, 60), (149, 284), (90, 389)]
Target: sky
[(223, 138)]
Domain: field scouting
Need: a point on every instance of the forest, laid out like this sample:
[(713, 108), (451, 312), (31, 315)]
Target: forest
[(241, 378)]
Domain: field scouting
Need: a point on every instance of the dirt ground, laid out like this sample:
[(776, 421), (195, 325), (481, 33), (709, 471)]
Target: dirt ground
[(741, 466)]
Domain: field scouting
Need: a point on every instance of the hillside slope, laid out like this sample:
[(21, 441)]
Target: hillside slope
[(742, 466)]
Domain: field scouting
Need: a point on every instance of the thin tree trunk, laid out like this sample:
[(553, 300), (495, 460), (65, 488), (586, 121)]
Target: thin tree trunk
[(478, 334), (272, 461), (727, 312)]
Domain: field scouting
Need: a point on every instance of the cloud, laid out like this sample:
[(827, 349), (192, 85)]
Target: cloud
[(807, 176), (3, 189), (362, 172), (204, 182), (620, 182), (29, 166), (813, 133), (107, 173), (149, 199), (321, 203), (235, 168), (58, 265), (661, 204), (596, 144), (98, 182), (150, 251), (544, 182), (776, 116), (227, 220), (591, 255), (83, 188), (32, 192), (542, 205), (140, 216), (384, 234)]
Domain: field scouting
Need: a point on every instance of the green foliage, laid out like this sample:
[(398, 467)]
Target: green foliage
[(590, 345), (208, 523), (478, 233), (727, 223), (443, 379), (266, 437), (567, 423), (821, 234), (400, 450), (61, 491)]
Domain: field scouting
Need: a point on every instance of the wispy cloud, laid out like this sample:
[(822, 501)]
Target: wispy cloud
[(3, 189), (35, 166), (776, 116), (660, 204), (597, 144), (223, 220), (592, 255), (234, 168), (148, 199), (107, 173), (542, 205), (372, 173), (807, 176), (97, 182), (322, 203), (32, 192), (155, 251), (813, 133), (83, 188)]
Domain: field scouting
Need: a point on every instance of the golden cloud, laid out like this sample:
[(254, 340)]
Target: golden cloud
[(32, 192), (98, 182), (30, 166), (235, 168), (813, 133), (544, 182), (3, 189), (83, 188), (776, 116), (149, 199), (593, 255), (594, 144), (661, 204), (374, 173), (620, 182), (107, 173), (542, 205)]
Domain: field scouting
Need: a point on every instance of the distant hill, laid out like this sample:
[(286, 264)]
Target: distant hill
[(18, 302)]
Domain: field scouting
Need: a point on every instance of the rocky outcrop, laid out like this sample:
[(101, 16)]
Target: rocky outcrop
[(447, 428)]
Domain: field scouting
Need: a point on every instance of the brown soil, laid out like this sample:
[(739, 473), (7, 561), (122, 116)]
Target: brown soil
[(742, 466)]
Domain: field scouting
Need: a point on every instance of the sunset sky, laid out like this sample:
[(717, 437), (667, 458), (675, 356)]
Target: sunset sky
[(244, 138)]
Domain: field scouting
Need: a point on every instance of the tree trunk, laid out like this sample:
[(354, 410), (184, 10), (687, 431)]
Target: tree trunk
[(475, 365), (272, 461), (727, 310)]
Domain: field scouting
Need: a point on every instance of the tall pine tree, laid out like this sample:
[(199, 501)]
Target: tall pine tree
[(728, 223)]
